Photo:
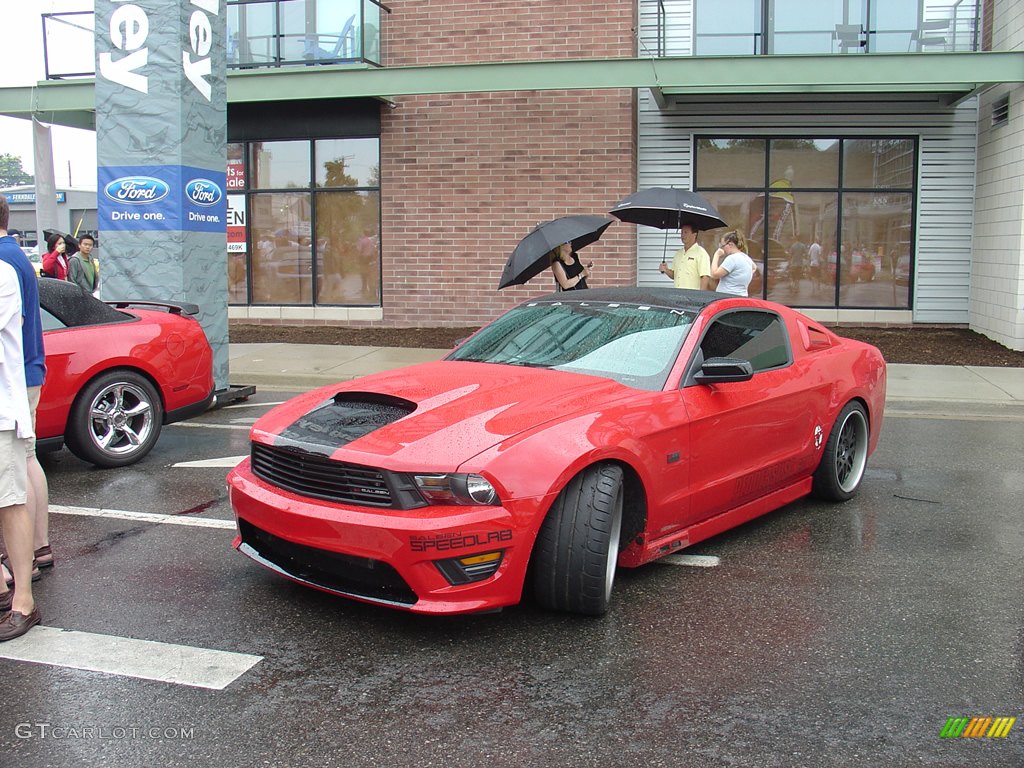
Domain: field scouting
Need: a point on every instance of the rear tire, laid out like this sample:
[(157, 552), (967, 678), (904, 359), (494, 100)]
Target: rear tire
[(838, 476), (115, 421), (577, 548)]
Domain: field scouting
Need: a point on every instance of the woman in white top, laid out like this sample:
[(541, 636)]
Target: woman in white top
[(731, 266)]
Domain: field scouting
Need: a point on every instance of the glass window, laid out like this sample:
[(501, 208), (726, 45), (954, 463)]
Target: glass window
[(727, 27), (876, 237), (808, 256), (730, 162), (634, 345), (279, 164), (878, 163), (348, 163), (238, 266), (252, 34), (759, 337), (796, 267), (281, 257), (236, 167), (348, 247), (804, 163)]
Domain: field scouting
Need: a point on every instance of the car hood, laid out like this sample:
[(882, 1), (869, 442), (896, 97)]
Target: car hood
[(433, 416)]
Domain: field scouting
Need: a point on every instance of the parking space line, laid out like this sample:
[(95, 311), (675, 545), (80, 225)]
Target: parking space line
[(128, 657), (145, 517), (202, 425), (227, 462), (254, 405), (697, 561)]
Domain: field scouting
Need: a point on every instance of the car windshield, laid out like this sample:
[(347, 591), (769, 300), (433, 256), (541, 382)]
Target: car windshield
[(633, 344)]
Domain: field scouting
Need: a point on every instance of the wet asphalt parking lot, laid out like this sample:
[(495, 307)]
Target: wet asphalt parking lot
[(826, 635)]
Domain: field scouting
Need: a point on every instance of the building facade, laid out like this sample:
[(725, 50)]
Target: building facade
[(383, 161)]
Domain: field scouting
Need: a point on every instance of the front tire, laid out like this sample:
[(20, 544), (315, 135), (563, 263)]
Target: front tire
[(838, 476), (578, 545), (115, 420)]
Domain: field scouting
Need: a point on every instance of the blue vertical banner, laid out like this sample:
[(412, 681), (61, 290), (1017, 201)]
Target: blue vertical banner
[(161, 146)]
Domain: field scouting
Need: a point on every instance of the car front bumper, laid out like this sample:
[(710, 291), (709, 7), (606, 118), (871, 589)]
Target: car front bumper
[(386, 556)]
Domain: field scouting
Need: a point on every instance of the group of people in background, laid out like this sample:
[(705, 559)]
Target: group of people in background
[(69, 259), (24, 495), (730, 270)]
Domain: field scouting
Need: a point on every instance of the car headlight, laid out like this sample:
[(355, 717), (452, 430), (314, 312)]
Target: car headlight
[(457, 488)]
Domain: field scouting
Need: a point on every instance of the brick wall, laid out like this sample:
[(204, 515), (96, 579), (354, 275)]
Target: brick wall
[(465, 176)]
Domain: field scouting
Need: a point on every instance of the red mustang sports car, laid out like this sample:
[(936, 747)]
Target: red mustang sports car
[(576, 433), (117, 372)]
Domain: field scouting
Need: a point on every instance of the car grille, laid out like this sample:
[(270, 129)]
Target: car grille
[(344, 574), (319, 477)]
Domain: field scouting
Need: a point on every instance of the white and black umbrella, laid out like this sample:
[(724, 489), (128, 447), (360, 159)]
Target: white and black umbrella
[(667, 208), (530, 257)]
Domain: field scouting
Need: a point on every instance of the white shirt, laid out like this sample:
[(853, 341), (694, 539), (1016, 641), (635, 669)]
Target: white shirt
[(741, 271), (14, 410)]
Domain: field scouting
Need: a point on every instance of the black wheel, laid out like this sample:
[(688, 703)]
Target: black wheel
[(846, 454), (578, 545), (115, 420)]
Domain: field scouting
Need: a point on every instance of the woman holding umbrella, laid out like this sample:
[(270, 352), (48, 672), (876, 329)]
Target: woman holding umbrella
[(569, 273)]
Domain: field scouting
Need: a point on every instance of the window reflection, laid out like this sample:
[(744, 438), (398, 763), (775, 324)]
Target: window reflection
[(808, 255), (878, 163), (730, 162), (279, 164), (348, 163), (876, 237), (281, 264), (348, 247)]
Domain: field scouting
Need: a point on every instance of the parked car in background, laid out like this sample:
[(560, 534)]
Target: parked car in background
[(901, 273), (578, 432), (33, 255), (116, 372)]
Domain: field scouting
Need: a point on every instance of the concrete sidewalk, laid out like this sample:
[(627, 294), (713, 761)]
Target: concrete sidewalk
[(300, 367)]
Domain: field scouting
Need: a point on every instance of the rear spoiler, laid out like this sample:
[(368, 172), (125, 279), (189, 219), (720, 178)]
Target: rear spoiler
[(179, 308)]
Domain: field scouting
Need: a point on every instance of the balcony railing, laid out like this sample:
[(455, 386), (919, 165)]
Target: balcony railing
[(767, 27), (260, 33)]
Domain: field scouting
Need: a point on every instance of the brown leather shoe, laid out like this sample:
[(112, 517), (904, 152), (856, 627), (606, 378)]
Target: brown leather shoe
[(5, 601), (15, 624)]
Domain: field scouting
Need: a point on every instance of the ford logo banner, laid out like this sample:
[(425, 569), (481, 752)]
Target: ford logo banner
[(203, 192), (136, 190)]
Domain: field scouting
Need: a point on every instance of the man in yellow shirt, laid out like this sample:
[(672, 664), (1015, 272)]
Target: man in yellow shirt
[(691, 266)]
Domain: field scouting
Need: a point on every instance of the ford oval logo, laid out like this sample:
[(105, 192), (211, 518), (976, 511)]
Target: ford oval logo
[(203, 192), (136, 190)]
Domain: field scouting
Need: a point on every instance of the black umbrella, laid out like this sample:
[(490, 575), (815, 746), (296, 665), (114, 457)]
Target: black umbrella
[(667, 208), (530, 257)]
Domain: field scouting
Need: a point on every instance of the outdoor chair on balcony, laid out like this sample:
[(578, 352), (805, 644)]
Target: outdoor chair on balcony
[(850, 37), (344, 45), (929, 35)]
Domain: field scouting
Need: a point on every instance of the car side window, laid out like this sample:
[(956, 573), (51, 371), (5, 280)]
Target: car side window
[(756, 336), (49, 322)]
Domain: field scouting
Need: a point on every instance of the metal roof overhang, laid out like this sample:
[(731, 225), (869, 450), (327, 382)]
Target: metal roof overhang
[(955, 76)]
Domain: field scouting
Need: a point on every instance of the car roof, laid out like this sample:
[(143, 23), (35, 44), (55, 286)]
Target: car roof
[(74, 307), (669, 298)]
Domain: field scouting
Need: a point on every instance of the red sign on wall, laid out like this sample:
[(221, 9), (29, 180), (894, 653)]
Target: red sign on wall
[(236, 175)]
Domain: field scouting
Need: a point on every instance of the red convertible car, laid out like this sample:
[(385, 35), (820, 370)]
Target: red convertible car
[(117, 372), (576, 433)]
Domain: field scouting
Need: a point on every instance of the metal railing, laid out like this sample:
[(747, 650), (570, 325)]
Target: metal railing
[(260, 34), (703, 28)]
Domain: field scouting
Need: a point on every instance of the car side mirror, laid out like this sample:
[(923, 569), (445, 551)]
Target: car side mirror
[(720, 370)]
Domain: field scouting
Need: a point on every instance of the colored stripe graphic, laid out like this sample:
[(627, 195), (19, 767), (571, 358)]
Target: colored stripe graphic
[(1001, 727), (977, 727)]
